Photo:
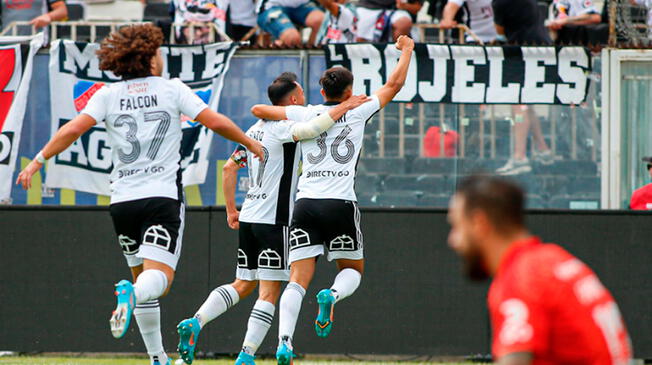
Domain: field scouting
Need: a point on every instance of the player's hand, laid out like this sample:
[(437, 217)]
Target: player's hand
[(256, 148), (355, 101), (405, 43), (25, 176), (447, 23), (233, 219), (41, 21)]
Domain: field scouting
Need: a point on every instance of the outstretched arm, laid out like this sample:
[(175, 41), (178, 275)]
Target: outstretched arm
[(229, 182), (321, 123), (222, 125), (64, 137), (269, 112), (397, 79)]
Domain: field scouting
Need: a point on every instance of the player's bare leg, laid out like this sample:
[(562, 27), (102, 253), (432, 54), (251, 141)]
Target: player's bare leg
[(346, 282), (219, 301), (301, 273), (260, 320), (152, 280)]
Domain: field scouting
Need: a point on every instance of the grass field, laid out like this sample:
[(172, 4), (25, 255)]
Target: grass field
[(21, 360)]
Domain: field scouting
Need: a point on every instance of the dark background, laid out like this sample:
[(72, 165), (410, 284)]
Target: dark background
[(58, 266)]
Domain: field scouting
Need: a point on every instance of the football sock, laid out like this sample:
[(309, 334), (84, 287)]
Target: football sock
[(218, 302), (259, 322), (148, 317), (290, 306), (346, 282), (150, 285)]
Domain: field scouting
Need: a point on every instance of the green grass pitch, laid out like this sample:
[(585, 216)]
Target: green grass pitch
[(21, 360)]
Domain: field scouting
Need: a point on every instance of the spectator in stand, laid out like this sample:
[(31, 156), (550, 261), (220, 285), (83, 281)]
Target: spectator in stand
[(339, 24), (386, 20), (572, 19), (522, 25), (648, 5), (432, 143), (479, 17), (279, 16), (39, 13), (642, 197), (241, 18), (199, 13)]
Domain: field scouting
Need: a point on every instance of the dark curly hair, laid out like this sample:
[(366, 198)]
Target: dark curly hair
[(128, 52)]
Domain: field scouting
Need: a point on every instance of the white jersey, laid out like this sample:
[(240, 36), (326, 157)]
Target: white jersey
[(243, 12), (273, 180), (577, 7), (480, 18), (340, 28), (330, 160), (143, 124), (263, 5)]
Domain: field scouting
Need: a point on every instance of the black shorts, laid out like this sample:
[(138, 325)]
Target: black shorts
[(150, 228), (263, 252), (329, 226)]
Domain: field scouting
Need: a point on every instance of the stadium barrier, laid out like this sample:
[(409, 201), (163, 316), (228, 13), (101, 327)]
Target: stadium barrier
[(58, 265)]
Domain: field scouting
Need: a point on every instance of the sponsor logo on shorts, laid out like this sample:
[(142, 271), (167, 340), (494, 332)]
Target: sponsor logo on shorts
[(299, 238), (243, 261), (157, 236), (342, 243), (129, 246), (269, 259)]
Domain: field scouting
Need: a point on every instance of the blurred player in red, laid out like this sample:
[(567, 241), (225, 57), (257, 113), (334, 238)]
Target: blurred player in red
[(642, 197), (546, 306)]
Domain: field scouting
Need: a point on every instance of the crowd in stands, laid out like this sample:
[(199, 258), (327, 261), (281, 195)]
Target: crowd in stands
[(292, 23)]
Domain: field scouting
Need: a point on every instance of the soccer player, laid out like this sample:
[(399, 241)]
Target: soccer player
[(263, 222), (326, 218), (142, 118), (546, 306)]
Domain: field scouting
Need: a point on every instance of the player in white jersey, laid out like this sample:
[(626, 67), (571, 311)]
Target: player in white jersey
[(264, 220), (339, 24), (326, 218), (142, 118), (479, 18)]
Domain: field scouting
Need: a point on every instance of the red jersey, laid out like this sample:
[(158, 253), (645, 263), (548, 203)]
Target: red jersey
[(546, 302), (642, 198)]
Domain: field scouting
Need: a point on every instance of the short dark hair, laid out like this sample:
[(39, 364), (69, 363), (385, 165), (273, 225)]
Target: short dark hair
[(335, 80), (128, 52), (281, 87), (501, 200)]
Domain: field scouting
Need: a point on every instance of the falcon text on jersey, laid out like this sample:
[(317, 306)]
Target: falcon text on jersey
[(138, 102)]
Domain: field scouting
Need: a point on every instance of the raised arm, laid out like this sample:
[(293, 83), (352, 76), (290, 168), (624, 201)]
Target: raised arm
[(64, 137), (269, 112), (397, 79), (229, 182), (448, 16), (222, 125), (321, 123)]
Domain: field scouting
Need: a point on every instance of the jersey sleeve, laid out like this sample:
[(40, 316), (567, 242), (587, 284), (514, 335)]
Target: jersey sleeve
[(365, 111), (190, 104), (97, 105), (520, 318), (283, 130), (239, 156), (297, 113)]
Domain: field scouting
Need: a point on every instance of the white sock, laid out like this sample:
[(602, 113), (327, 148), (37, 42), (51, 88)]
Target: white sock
[(218, 302), (150, 285), (290, 306), (346, 282), (148, 317), (260, 320)]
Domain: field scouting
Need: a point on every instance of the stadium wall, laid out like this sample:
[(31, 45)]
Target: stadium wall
[(58, 265)]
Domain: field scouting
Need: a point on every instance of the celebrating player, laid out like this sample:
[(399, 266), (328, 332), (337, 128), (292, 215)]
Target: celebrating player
[(263, 222), (142, 116), (326, 217), (546, 306)]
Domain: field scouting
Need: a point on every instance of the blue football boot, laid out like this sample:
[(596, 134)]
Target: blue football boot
[(324, 321), (157, 362), (121, 316), (245, 359), (284, 354), (188, 334)]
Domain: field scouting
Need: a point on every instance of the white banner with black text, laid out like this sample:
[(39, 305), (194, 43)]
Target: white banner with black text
[(465, 74), (75, 76)]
